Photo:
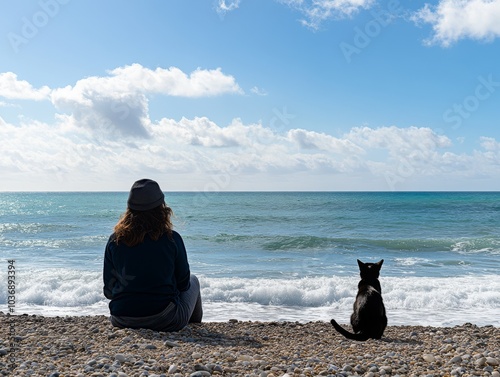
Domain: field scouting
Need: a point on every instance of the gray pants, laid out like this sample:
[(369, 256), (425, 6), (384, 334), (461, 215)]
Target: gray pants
[(173, 317)]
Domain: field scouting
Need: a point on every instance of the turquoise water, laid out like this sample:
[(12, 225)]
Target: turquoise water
[(273, 256)]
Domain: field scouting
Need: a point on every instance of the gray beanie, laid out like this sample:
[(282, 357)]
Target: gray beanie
[(145, 194)]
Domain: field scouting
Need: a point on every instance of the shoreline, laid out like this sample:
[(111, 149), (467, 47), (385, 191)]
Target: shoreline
[(89, 346), (223, 312)]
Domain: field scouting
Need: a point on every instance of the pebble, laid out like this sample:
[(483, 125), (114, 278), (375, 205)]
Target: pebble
[(170, 343), (386, 368), (200, 374), (492, 361), (120, 357), (481, 361), (428, 357), (56, 347), (172, 369), (245, 358), (200, 367)]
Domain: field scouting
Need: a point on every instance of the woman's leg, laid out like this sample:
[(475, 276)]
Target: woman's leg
[(197, 312), (190, 308), (173, 318)]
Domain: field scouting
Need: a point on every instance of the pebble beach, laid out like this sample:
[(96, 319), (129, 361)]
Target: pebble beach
[(89, 346)]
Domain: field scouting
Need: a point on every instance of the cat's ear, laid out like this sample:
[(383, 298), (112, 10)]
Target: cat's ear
[(380, 263), (360, 264)]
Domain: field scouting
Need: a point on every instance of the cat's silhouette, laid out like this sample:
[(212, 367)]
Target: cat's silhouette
[(368, 319)]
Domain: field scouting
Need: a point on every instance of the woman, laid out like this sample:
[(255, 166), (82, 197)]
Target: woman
[(146, 271)]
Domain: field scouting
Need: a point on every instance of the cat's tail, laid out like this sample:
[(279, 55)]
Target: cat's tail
[(349, 335)]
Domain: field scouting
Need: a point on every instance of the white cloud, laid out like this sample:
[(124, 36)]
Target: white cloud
[(317, 11), (313, 140), (194, 153), (224, 6), (104, 137), (399, 141), (137, 79), (199, 132), (313, 11), (258, 91), (6, 104), (172, 81), (453, 20), (118, 102), (12, 88), (490, 144)]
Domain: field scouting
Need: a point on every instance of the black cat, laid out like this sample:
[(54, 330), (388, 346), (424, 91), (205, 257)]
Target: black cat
[(368, 319)]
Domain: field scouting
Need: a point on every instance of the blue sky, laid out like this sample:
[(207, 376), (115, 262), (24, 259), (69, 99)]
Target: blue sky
[(250, 95)]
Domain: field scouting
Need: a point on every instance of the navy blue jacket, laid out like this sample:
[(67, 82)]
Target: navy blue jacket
[(142, 280)]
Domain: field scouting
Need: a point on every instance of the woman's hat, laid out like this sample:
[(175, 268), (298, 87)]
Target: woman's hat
[(145, 194)]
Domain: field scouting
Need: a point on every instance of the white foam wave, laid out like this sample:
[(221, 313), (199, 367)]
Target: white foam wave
[(409, 292), (57, 287), (412, 261), (486, 246), (408, 300)]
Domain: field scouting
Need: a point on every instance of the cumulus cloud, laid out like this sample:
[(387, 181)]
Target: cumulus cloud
[(171, 81), (453, 20), (200, 132), (406, 152), (314, 140), (119, 103), (86, 144), (399, 141), (137, 79), (198, 148), (490, 144), (13, 88)]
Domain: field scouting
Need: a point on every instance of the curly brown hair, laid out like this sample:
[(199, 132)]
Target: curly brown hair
[(133, 226)]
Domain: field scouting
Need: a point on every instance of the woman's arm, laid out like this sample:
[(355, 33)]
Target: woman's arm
[(108, 269), (182, 272)]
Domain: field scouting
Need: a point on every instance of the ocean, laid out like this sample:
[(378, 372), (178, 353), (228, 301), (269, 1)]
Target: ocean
[(270, 256)]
